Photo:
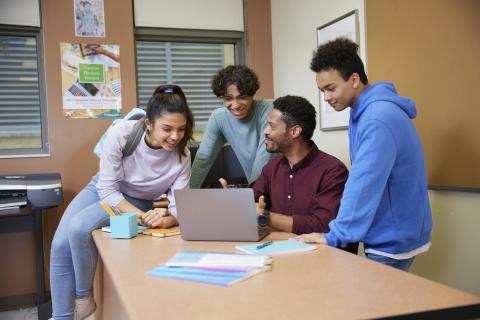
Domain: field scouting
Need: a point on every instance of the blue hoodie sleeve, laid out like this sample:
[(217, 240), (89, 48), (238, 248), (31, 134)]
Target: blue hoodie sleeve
[(372, 163)]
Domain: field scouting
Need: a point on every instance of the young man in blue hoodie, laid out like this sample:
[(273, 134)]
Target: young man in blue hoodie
[(385, 202)]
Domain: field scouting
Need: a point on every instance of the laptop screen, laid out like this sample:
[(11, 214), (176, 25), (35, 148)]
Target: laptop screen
[(217, 214)]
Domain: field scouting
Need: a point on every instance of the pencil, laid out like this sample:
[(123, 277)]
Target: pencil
[(107, 208)]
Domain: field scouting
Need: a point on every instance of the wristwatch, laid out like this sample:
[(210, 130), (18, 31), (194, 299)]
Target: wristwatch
[(264, 218)]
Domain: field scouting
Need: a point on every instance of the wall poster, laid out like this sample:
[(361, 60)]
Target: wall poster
[(91, 80), (89, 18)]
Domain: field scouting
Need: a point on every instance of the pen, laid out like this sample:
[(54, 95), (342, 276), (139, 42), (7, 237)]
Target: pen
[(117, 212), (265, 244)]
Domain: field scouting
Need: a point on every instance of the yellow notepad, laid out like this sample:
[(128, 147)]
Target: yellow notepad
[(161, 232)]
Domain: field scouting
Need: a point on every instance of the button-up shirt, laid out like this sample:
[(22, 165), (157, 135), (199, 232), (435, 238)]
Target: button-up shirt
[(309, 192)]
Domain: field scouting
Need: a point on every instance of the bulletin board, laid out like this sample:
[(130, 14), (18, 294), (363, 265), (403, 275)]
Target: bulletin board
[(430, 50)]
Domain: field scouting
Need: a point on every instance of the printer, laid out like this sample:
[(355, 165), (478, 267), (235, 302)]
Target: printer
[(36, 191)]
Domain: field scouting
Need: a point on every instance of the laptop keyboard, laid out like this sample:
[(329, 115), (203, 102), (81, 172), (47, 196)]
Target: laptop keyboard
[(262, 233)]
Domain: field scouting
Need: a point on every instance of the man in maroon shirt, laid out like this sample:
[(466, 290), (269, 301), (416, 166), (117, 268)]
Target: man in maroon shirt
[(302, 186)]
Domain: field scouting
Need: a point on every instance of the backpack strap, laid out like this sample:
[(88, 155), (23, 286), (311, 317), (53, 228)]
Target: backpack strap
[(134, 137), (136, 116)]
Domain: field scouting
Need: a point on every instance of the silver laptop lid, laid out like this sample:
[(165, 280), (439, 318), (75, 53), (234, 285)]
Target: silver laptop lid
[(217, 214)]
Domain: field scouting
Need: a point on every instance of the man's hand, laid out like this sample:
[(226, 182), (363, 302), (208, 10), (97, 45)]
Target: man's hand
[(223, 182), (311, 238), (261, 205)]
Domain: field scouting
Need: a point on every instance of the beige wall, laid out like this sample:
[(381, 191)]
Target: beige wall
[(454, 258), (294, 38)]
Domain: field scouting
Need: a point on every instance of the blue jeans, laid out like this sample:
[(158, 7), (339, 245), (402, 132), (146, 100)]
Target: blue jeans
[(399, 264), (73, 258)]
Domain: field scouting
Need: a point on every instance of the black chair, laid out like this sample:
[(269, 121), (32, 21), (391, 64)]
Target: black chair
[(225, 166)]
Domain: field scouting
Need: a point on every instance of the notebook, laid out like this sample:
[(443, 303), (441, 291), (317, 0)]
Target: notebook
[(277, 247), (217, 260), (217, 215), (217, 276), (161, 233)]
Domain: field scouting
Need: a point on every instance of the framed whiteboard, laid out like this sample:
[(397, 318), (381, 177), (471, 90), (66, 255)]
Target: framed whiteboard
[(345, 26)]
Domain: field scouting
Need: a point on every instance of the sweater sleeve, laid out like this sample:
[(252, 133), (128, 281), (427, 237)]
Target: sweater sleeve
[(111, 167), (181, 182), (371, 167), (325, 203), (262, 156), (211, 145)]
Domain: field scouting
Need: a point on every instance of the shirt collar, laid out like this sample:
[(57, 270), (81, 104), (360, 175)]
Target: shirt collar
[(305, 162)]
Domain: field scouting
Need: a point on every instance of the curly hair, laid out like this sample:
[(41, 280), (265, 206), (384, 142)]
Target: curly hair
[(339, 54), (297, 111), (171, 99), (243, 77)]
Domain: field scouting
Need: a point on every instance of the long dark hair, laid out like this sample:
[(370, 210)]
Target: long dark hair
[(170, 98)]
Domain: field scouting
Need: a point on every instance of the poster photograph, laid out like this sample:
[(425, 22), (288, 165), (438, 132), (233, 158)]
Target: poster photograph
[(89, 18), (91, 85)]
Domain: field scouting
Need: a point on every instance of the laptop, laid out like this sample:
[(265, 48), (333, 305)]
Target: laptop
[(218, 215)]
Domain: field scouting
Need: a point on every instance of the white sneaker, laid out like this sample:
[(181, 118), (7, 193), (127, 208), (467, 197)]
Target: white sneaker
[(84, 307)]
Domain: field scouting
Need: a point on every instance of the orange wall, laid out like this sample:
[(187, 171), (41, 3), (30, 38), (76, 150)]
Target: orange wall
[(72, 141), (258, 39)]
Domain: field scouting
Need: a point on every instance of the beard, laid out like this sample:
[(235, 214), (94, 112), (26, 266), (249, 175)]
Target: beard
[(278, 146)]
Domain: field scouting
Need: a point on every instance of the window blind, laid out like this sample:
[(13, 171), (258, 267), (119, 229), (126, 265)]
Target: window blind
[(189, 65), (19, 87)]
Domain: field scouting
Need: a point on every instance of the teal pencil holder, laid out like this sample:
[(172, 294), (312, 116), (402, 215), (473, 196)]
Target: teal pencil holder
[(124, 226)]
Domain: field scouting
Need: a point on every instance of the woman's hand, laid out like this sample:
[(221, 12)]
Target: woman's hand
[(157, 218)]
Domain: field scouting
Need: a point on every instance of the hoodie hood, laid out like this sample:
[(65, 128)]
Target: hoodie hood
[(383, 91)]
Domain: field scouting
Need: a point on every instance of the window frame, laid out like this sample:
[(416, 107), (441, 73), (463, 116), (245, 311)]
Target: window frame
[(192, 35), (44, 150)]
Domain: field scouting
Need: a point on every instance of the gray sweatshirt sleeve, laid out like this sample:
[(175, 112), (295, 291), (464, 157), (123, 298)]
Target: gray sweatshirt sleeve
[(211, 145), (111, 169)]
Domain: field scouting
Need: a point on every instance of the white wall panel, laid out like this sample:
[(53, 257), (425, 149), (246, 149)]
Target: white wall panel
[(294, 38), (190, 14), (20, 12)]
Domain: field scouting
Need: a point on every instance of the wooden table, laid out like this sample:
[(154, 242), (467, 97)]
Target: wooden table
[(324, 284)]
